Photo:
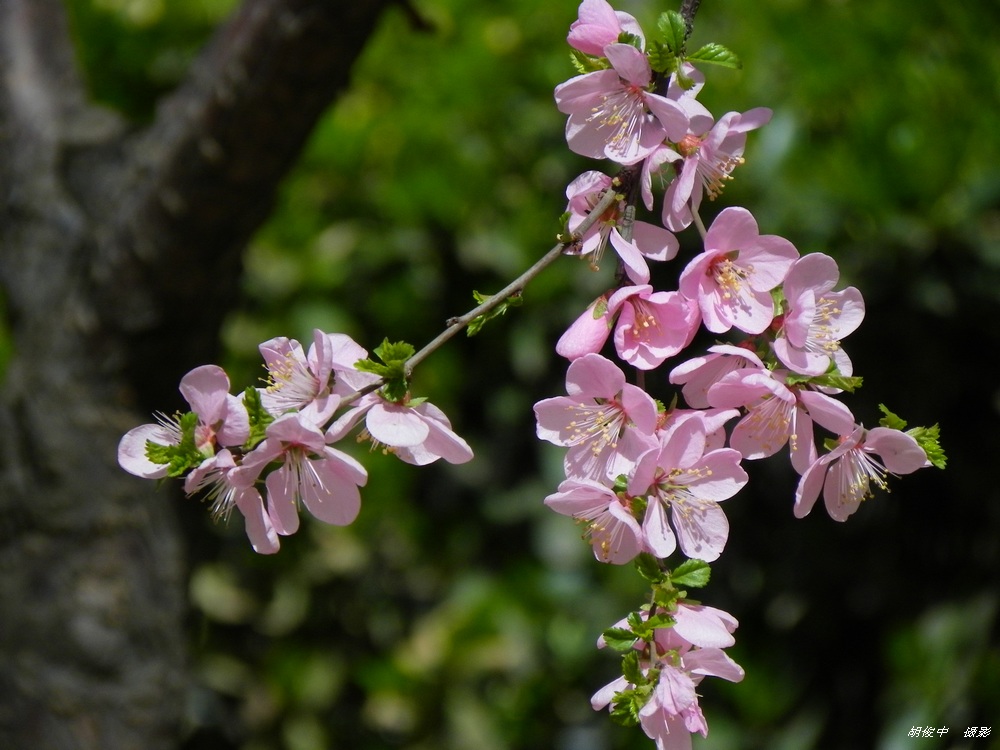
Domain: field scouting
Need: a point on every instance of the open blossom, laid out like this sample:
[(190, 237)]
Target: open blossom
[(651, 326), (680, 477), (613, 114), (605, 422), (608, 522), (417, 434), (733, 278), (214, 477), (817, 318), (777, 414), (598, 25), (311, 382), (707, 160), (311, 472), (222, 421), (648, 241), (848, 474)]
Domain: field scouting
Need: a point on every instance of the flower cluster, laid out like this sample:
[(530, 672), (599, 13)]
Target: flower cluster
[(271, 449), (644, 479)]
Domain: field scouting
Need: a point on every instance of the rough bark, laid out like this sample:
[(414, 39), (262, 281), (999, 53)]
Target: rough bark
[(119, 254)]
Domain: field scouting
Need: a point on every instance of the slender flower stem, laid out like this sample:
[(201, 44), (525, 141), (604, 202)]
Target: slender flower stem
[(699, 224), (517, 285)]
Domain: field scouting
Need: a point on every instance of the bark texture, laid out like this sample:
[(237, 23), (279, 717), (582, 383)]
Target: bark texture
[(119, 256)]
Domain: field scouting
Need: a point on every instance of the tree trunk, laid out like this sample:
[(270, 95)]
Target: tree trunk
[(119, 255)]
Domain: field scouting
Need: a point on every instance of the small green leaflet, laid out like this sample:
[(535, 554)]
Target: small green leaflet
[(585, 63), (692, 573), (259, 417), (619, 639), (476, 324), (182, 456), (673, 31), (392, 368), (716, 54)]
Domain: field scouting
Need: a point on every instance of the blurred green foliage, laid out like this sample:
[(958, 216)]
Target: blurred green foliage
[(457, 612)]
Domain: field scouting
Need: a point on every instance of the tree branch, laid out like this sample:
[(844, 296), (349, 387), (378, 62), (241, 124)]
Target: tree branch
[(208, 170)]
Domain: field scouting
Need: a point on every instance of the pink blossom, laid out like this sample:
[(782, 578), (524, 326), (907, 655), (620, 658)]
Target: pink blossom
[(599, 25), (311, 382), (605, 422), (707, 161), (651, 326), (417, 434), (777, 415), (215, 477), (322, 478), (648, 241), (698, 374), (681, 477), (613, 114), (817, 318), (733, 278), (713, 422), (846, 475), (222, 421), (678, 662), (608, 521)]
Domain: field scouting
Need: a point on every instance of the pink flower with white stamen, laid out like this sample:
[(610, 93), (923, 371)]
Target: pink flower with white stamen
[(605, 422), (608, 522), (311, 473), (848, 474), (733, 278), (680, 477), (707, 162), (817, 318), (614, 114)]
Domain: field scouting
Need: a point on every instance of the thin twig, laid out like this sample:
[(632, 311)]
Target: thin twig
[(457, 324)]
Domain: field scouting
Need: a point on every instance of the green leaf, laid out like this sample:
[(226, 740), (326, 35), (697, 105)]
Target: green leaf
[(673, 31), (649, 568), (928, 438), (585, 63), (692, 573), (259, 417), (631, 670), (662, 59), (891, 420), (828, 380), (716, 54), (392, 368), (183, 456), (619, 639), (477, 323), (626, 38)]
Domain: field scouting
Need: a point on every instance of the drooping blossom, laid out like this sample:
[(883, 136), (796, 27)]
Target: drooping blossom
[(707, 160), (222, 421), (648, 241), (649, 326), (817, 318), (681, 479), (608, 522), (214, 478), (605, 422), (733, 277), (598, 25), (613, 113), (698, 374), (850, 473), (310, 473), (417, 434), (311, 382), (678, 659)]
